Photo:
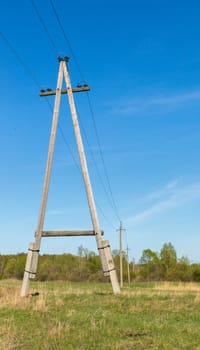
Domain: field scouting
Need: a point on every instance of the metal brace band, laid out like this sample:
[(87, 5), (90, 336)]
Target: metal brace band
[(34, 250), (32, 273), (109, 270), (106, 246)]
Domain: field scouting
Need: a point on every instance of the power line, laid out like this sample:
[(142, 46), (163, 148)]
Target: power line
[(56, 51), (64, 138), (97, 169), (20, 60), (44, 27), (102, 158), (79, 169), (112, 201), (108, 221), (33, 78), (31, 75), (66, 39)]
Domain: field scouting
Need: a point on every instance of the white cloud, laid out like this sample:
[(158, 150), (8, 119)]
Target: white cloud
[(141, 104), (176, 98), (167, 189), (54, 212), (174, 198), (172, 184)]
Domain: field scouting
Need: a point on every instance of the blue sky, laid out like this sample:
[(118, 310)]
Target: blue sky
[(142, 62)]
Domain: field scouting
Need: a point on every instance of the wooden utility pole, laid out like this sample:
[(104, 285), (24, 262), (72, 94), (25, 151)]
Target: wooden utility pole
[(120, 254), (102, 245), (128, 268)]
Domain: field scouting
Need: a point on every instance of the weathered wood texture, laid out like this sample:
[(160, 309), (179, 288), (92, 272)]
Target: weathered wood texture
[(68, 233)]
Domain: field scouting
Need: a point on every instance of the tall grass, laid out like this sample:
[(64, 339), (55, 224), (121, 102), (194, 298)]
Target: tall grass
[(88, 316)]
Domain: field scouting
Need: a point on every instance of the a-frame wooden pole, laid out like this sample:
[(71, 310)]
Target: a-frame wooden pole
[(103, 246)]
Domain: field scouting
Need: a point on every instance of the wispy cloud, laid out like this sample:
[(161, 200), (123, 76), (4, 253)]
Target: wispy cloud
[(55, 212), (166, 190), (140, 104), (176, 98), (170, 197)]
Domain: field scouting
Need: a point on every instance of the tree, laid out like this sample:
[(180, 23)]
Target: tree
[(150, 263), (168, 260), (148, 256), (3, 262), (183, 270), (9, 270), (195, 272)]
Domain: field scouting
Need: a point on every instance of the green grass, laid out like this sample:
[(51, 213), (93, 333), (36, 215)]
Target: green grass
[(88, 316)]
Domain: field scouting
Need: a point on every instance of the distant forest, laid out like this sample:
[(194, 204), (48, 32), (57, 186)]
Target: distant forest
[(86, 266)]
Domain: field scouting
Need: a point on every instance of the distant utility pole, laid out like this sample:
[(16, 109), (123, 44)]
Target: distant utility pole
[(128, 269), (120, 254)]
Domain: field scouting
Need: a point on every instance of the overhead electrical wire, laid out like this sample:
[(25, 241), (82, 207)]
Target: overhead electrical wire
[(81, 74), (66, 39), (44, 27), (33, 78), (111, 201), (102, 159), (56, 51), (97, 169), (20, 60), (38, 85), (90, 107)]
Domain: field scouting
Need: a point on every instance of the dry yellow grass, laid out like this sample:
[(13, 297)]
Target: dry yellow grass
[(178, 287), (8, 335), (165, 288), (9, 297)]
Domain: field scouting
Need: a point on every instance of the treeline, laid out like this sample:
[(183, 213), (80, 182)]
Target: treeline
[(165, 266), (65, 267), (86, 266)]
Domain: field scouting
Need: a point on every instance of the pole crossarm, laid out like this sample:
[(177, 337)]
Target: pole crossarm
[(68, 233), (50, 92)]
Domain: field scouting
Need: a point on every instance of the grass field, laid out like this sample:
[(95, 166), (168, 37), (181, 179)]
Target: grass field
[(88, 316)]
